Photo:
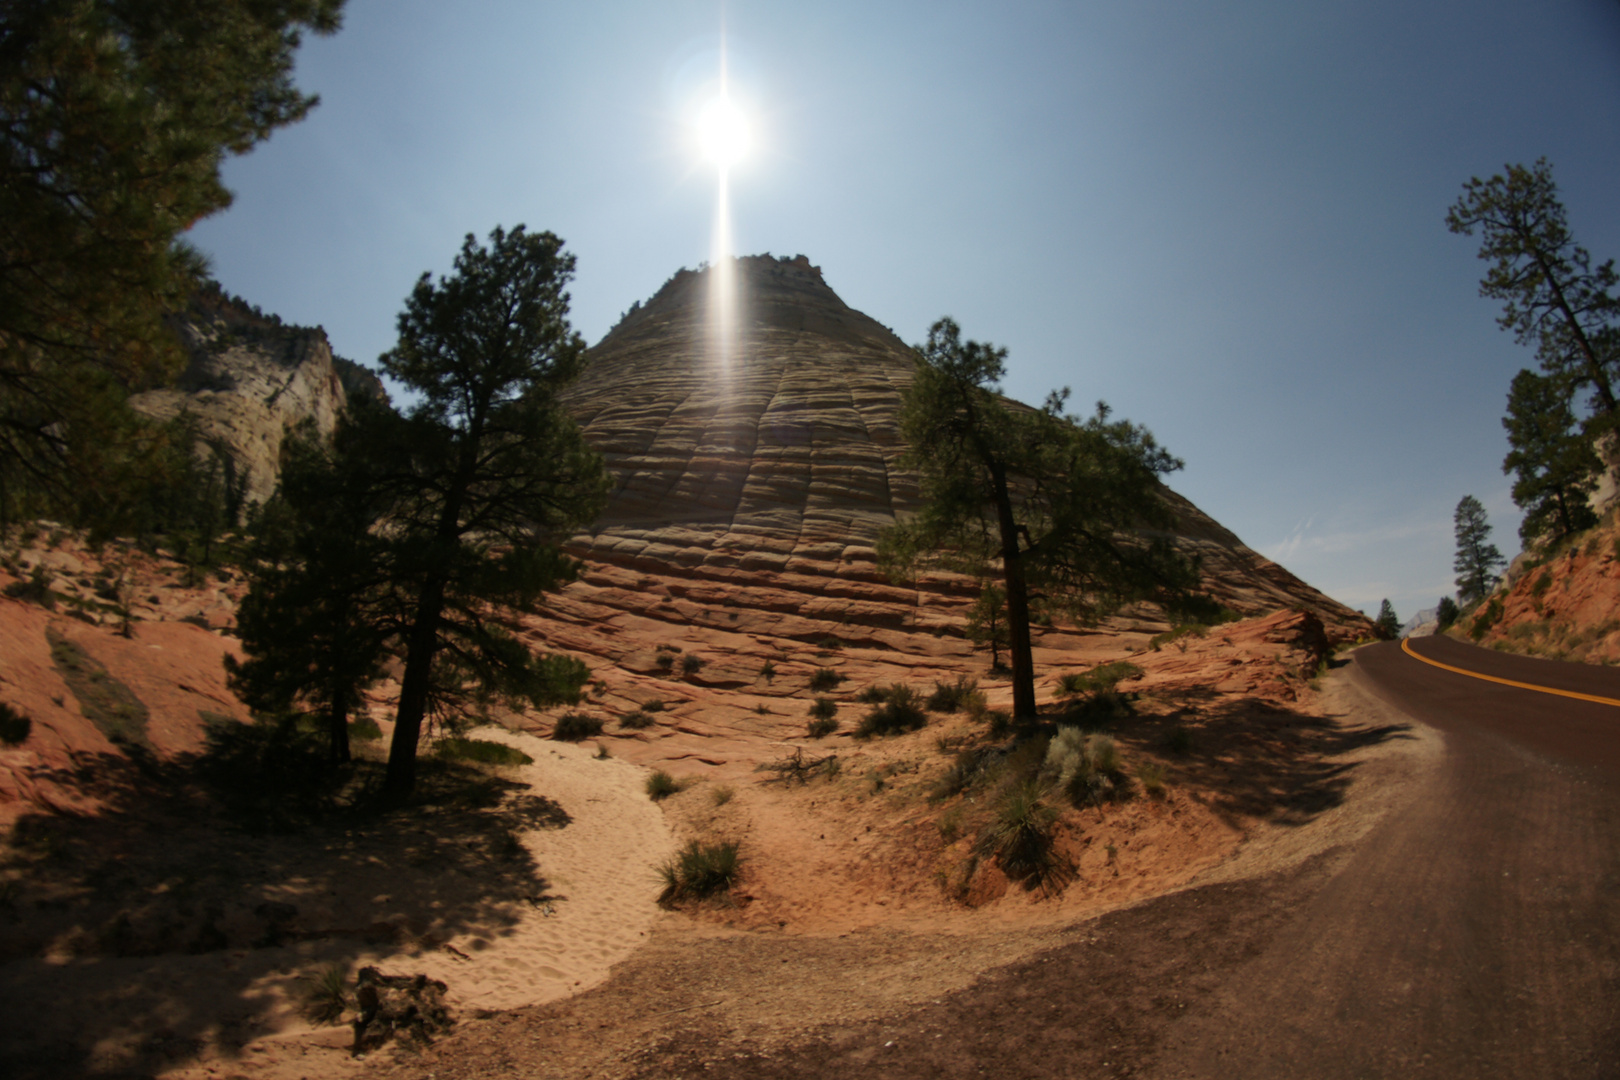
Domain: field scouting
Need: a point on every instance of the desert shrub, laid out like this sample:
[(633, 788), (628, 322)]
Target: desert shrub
[(950, 824), (768, 671), (35, 589), (1196, 608), (104, 700), (825, 679), (1541, 584), (872, 695), (691, 665), (661, 785), (1177, 633), (1019, 838), (572, 727), (327, 995), (1151, 774), (998, 723), (483, 751), (14, 725), (664, 660), (824, 708), (1099, 709), (635, 721), (1487, 617), (700, 870), (1178, 740), (1086, 768), (723, 794), (901, 712), (820, 729), (655, 705), (948, 697), (1100, 679), (364, 729), (271, 774), (829, 644), (968, 767), (762, 709)]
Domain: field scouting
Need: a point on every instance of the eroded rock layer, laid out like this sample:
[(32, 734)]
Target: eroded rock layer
[(772, 460)]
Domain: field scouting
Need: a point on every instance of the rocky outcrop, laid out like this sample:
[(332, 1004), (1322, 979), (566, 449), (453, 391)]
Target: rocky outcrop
[(1563, 604), (249, 381), (774, 464)]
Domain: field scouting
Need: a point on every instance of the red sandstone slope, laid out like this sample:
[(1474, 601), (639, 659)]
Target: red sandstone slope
[(1566, 607)]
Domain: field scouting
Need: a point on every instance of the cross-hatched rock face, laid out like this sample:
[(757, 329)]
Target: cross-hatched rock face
[(771, 460)]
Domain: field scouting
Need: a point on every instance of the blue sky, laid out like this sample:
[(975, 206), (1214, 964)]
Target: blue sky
[(1226, 220)]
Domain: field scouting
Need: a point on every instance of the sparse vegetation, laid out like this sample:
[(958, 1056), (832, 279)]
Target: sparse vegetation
[(700, 870), (872, 695), (1151, 775), (108, 703), (825, 679), (901, 711), (797, 768), (829, 644), (1177, 636), (653, 706), (636, 721), (691, 665), (1086, 768), (820, 729), (15, 725), (767, 671), (483, 751), (723, 794), (1179, 741), (824, 708), (661, 785), (574, 727), (364, 729)]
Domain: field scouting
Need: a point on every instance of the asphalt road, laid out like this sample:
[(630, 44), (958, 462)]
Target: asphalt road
[(1477, 934)]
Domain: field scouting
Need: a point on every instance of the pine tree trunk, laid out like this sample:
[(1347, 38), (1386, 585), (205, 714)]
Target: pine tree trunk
[(400, 779), (1012, 564), (338, 728)]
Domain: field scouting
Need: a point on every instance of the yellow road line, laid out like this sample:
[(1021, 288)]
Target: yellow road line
[(1406, 647)]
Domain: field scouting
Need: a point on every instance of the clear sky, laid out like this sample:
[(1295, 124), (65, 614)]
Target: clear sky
[(1224, 219)]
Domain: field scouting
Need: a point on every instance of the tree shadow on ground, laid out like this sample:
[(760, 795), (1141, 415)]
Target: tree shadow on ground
[(1260, 759), (199, 900)]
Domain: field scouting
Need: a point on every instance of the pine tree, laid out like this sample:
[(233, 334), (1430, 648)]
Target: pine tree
[(320, 610), (117, 115), (1055, 501), (496, 477), (1388, 624), (987, 622), (1552, 297), (1553, 463), (1477, 559), (1446, 613)]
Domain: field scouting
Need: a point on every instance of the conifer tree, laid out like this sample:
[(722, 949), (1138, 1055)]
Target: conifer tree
[(1446, 613), (1552, 297), (495, 476), (1388, 624), (1477, 558), (115, 116), (1054, 500), (987, 622), (320, 610), (1553, 464)]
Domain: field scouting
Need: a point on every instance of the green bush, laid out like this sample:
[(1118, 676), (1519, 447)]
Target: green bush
[(483, 751), (655, 705), (1100, 679), (1196, 608), (572, 727), (824, 708), (825, 679), (820, 729), (1487, 617), (364, 729), (14, 725), (700, 870), (829, 644), (1158, 641), (691, 665), (661, 785), (902, 711), (872, 695), (635, 721), (768, 671), (1099, 710), (948, 697)]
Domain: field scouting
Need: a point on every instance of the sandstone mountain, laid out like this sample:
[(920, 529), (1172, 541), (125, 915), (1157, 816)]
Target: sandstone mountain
[(773, 468), (250, 380)]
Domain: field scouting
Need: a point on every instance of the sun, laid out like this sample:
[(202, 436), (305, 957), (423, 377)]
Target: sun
[(723, 131)]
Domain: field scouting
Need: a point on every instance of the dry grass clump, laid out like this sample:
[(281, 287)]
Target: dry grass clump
[(951, 696), (635, 721), (1020, 837), (699, 870), (327, 996), (661, 785), (483, 751)]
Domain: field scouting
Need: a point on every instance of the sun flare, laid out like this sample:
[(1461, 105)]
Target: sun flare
[(723, 131)]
